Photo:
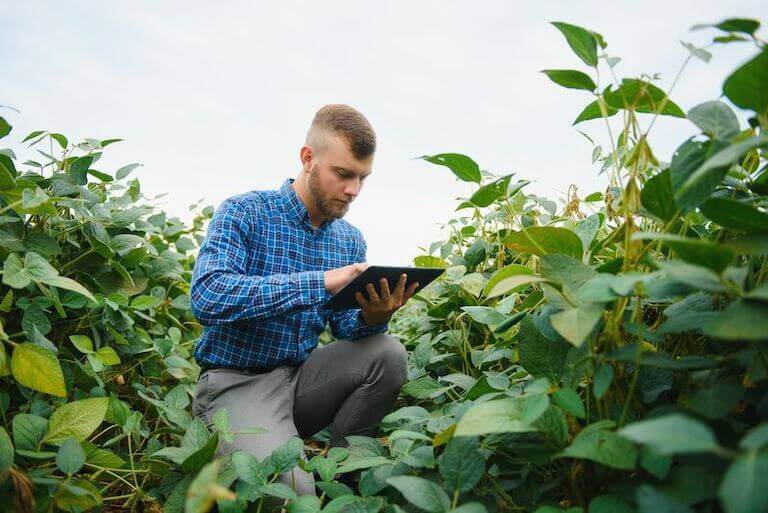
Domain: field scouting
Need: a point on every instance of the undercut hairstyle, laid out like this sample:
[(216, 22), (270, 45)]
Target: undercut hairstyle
[(347, 122)]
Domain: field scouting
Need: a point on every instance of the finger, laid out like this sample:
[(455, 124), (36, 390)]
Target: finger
[(385, 293), (400, 288), (372, 294), (361, 299), (410, 292)]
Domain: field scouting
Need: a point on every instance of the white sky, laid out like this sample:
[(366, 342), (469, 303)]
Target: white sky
[(214, 98)]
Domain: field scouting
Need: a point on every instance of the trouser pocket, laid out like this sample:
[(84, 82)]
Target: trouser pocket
[(201, 400)]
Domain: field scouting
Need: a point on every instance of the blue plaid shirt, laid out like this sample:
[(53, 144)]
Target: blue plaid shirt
[(258, 282)]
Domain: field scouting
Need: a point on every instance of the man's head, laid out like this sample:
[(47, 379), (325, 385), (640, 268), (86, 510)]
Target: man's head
[(336, 158)]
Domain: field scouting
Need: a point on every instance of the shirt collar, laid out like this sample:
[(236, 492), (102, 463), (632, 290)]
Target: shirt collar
[(296, 209)]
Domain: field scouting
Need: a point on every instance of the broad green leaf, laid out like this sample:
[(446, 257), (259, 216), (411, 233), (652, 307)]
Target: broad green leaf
[(108, 356), (82, 343), (473, 283), (489, 193), (422, 493), (743, 488), (641, 96), (576, 324), (700, 184), (78, 419), (462, 166), (508, 415), (494, 285), (38, 369), (694, 251), (592, 111), (610, 504), (144, 302), (658, 197), (7, 180), (14, 274), (651, 500), (430, 261), (569, 400), (596, 443), (672, 434), (70, 458), (539, 355), (735, 215), (716, 119), (422, 388), (461, 465), (717, 400), (28, 430), (542, 240), (743, 25), (6, 449), (747, 87), (602, 380), (741, 320), (571, 79), (5, 128), (581, 41)]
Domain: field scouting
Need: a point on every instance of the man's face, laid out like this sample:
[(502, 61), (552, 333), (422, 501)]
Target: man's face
[(336, 177)]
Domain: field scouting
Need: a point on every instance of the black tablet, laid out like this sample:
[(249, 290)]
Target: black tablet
[(345, 298)]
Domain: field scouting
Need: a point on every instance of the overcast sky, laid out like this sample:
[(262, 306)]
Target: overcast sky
[(215, 98)]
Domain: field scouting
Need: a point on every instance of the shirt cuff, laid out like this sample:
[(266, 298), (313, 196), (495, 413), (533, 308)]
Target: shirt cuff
[(312, 287)]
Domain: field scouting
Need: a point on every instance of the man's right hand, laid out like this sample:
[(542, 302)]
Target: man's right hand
[(336, 279)]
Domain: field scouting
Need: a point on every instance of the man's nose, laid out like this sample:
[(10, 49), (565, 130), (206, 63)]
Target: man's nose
[(353, 188)]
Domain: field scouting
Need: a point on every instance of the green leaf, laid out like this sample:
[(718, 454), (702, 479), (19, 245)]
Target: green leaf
[(694, 251), (108, 356), (144, 302), (6, 449), (507, 415), (658, 197), (743, 489), (7, 180), (716, 401), (569, 400), (650, 500), (715, 119), (592, 111), (672, 434), (602, 380), (498, 284), (28, 430), (489, 193), (697, 52), (14, 274), (743, 25), (82, 343), (38, 369), (423, 388), (462, 465), (430, 261), (596, 443), (641, 96), (421, 493), (542, 240), (570, 79), (78, 419), (576, 324), (735, 215), (742, 320), (70, 458), (747, 87), (5, 128), (539, 355), (700, 184), (581, 41), (462, 166)]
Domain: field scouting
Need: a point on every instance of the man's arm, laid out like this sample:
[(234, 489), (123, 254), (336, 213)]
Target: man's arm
[(221, 291), (349, 324)]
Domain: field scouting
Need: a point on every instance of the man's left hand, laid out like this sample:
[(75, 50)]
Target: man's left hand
[(380, 307)]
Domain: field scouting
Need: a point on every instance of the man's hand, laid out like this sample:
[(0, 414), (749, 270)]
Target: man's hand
[(336, 279), (380, 307)]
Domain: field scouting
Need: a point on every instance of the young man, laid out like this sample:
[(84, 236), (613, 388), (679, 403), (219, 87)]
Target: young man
[(268, 262)]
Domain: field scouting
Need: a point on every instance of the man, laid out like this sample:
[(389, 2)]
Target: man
[(268, 262)]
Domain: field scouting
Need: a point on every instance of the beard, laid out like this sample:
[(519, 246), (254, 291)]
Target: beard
[(329, 208)]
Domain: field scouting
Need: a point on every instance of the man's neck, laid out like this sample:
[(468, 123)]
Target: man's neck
[(301, 187)]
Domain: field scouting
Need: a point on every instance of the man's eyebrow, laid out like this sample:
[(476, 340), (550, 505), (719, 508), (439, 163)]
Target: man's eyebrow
[(347, 170)]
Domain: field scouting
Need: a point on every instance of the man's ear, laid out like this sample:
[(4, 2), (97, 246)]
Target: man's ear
[(307, 156)]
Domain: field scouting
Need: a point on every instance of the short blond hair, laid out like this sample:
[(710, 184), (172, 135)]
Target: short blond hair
[(347, 122)]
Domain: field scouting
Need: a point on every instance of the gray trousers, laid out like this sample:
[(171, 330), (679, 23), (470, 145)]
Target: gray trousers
[(349, 385)]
